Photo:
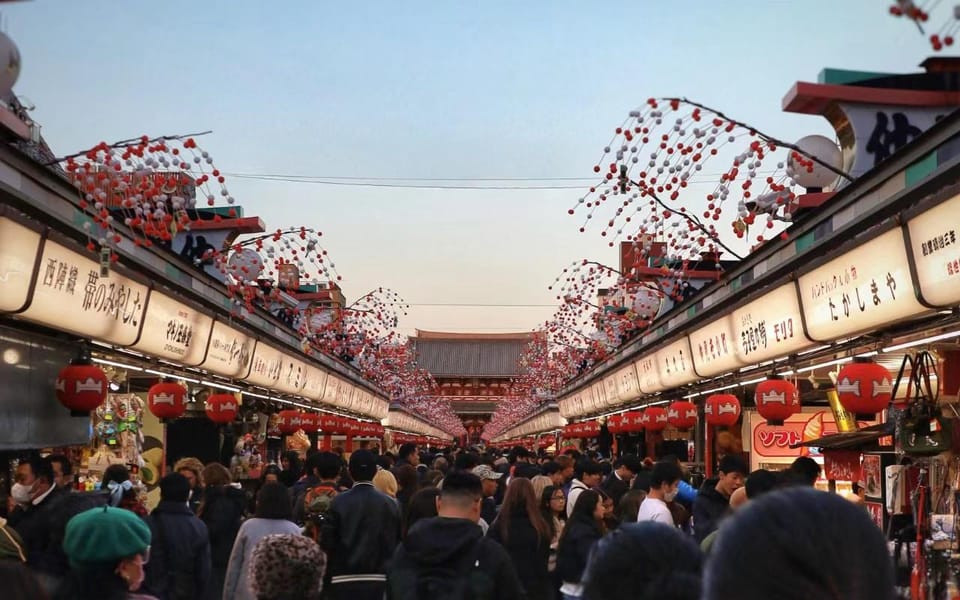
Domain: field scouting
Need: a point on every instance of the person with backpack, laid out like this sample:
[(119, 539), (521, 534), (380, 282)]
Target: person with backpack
[(271, 518), (312, 502), (447, 557), (359, 533), (179, 568)]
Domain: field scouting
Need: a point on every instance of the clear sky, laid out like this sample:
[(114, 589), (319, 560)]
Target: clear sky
[(430, 90)]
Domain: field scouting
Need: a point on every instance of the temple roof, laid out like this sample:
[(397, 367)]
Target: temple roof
[(470, 354)]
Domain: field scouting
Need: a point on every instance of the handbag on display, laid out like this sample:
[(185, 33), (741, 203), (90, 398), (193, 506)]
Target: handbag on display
[(921, 429)]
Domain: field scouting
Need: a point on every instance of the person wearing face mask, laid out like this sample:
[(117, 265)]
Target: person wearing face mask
[(664, 485), (108, 548)]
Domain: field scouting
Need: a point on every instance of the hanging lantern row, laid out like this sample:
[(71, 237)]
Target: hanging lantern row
[(292, 421)]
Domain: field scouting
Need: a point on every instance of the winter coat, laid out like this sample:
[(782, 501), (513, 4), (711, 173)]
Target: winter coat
[(179, 566), (615, 487), (709, 508), (42, 527), (222, 512), (529, 553), (452, 554), (237, 585), (360, 533), (578, 539)]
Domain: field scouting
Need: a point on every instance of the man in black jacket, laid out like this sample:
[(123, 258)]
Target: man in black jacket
[(617, 484), (359, 535), (713, 501), (447, 557), (179, 566)]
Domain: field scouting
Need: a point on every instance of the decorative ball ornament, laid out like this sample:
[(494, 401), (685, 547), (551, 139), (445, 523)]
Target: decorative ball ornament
[(290, 421), (222, 408), (167, 400), (81, 387), (9, 65), (815, 175), (655, 418), (864, 387), (245, 265), (682, 414), (776, 400), (722, 410)]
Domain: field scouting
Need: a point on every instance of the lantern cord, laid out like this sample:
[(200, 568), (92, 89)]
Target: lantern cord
[(765, 137), (128, 142)]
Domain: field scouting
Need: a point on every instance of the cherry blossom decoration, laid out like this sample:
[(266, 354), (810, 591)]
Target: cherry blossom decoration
[(152, 185), (919, 13), (653, 167)]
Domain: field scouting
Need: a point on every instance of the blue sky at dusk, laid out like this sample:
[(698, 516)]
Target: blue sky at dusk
[(430, 90)]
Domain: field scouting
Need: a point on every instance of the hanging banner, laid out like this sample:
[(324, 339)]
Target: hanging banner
[(174, 331), (936, 252), (866, 288), (648, 374), (70, 294), (18, 252), (715, 349), (628, 385), (770, 326), (229, 352), (674, 364), (314, 380)]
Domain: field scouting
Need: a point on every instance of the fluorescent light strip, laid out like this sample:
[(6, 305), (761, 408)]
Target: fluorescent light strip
[(219, 385), (116, 364), (867, 354), (171, 375), (926, 340), (812, 350), (261, 396), (831, 363), (657, 403), (753, 381)]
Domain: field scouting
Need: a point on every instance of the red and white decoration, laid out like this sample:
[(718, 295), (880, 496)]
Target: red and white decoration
[(777, 399), (167, 400), (864, 387), (81, 387), (722, 410)]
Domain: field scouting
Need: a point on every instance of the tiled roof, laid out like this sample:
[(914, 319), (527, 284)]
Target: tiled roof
[(469, 358)]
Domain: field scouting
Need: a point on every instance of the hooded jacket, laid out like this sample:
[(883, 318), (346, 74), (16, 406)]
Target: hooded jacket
[(709, 508), (442, 553)]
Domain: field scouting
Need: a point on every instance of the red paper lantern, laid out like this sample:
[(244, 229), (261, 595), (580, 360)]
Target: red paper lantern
[(576, 430), (310, 422), (330, 424), (591, 429), (633, 421), (221, 408), (81, 387), (352, 427), (290, 421), (655, 418), (546, 441), (777, 399), (682, 414), (722, 410), (615, 424), (167, 400), (864, 387)]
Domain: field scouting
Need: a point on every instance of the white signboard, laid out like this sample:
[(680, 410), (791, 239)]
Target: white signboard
[(648, 374), (628, 386), (18, 251), (266, 366), (770, 326), (174, 331), (565, 407), (314, 380), (229, 352), (675, 364), (599, 396), (345, 395), (71, 295), (610, 390), (292, 372), (715, 349), (936, 252), (867, 287)]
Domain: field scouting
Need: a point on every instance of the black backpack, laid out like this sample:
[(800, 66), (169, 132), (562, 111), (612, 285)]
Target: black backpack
[(462, 579)]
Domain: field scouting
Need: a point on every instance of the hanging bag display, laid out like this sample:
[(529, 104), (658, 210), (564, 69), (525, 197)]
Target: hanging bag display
[(921, 430)]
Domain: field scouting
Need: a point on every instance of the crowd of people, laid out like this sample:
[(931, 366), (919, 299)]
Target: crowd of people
[(458, 525)]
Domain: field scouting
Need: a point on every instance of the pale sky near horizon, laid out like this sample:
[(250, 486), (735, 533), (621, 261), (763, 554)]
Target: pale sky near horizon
[(430, 90)]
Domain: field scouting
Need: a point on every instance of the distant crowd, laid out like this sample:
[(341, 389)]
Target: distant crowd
[(452, 525)]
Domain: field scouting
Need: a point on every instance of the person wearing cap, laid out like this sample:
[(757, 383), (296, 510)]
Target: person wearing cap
[(287, 566), (359, 535), (490, 480), (107, 548)]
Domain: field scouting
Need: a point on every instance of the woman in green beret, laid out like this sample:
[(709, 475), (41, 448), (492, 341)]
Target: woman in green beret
[(107, 548)]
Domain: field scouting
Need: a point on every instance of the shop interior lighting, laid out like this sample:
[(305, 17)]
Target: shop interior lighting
[(753, 381), (261, 396), (219, 385), (116, 364), (172, 376), (921, 342), (812, 350), (830, 363), (867, 354), (657, 403)]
